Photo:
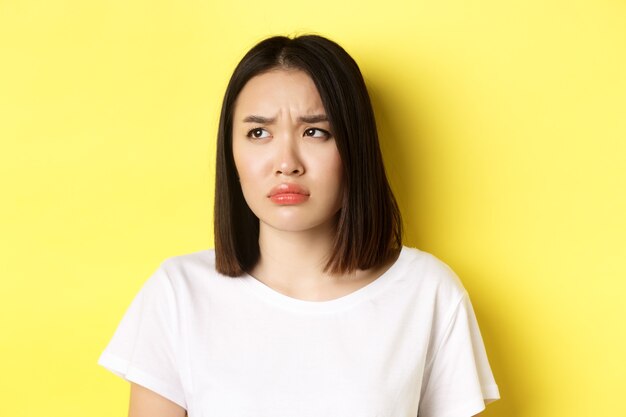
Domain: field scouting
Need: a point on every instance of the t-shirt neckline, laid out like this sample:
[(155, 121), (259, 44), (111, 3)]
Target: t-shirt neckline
[(326, 306)]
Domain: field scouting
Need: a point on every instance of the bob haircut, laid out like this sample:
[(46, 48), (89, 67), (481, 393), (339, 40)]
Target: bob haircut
[(369, 226)]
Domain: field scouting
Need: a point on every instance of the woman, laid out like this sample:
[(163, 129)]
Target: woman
[(309, 305)]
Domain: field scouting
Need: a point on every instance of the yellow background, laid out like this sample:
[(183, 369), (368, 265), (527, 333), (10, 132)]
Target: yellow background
[(503, 127)]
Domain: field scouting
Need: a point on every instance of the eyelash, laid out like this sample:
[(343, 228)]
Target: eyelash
[(326, 134), (250, 133)]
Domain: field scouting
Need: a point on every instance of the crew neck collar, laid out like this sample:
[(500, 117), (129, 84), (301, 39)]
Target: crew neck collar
[(327, 306)]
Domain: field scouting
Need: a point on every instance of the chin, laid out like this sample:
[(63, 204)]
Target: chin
[(296, 224), (294, 227)]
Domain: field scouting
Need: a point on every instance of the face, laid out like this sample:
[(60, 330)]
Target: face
[(285, 152)]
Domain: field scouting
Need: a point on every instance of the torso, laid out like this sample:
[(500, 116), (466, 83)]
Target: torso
[(249, 350)]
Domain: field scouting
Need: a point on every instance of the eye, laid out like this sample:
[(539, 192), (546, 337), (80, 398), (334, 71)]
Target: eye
[(258, 133), (317, 133)]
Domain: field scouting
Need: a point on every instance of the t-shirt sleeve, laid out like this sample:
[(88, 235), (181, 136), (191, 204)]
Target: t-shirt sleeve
[(458, 381), (143, 349)]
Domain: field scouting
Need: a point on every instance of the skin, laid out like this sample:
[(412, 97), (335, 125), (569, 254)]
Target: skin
[(280, 136), (146, 403)]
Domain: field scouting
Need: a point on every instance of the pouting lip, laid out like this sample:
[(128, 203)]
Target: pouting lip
[(286, 188)]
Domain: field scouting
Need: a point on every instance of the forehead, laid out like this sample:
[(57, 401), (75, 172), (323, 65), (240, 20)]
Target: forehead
[(277, 90)]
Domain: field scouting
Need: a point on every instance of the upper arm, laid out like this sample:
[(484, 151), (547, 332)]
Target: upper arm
[(146, 403)]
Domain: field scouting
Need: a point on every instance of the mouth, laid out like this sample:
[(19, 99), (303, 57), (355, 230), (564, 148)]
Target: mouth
[(288, 194)]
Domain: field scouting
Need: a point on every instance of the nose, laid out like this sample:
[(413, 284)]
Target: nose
[(288, 161)]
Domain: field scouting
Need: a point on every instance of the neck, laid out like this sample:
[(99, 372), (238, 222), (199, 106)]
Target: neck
[(308, 250), (293, 263), (294, 259)]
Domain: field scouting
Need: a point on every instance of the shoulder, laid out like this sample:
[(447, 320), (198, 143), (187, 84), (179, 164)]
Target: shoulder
[(190, 273), (191, 264), (428, 274)]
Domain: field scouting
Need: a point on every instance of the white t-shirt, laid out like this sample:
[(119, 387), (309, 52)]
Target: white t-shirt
[(407, 344)]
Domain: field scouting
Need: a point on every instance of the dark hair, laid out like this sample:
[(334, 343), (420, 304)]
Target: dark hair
[(369, 226)]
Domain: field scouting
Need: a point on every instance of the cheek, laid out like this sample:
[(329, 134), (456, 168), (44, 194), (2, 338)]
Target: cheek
[(245, 163), (251, 168), (333, 170), (336, 166)]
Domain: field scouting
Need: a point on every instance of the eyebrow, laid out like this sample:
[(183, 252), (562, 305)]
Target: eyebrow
[(316, 118), (259, 119)]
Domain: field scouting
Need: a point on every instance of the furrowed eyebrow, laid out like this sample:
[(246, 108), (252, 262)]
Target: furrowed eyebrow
[(316, 118), (259, 119)]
